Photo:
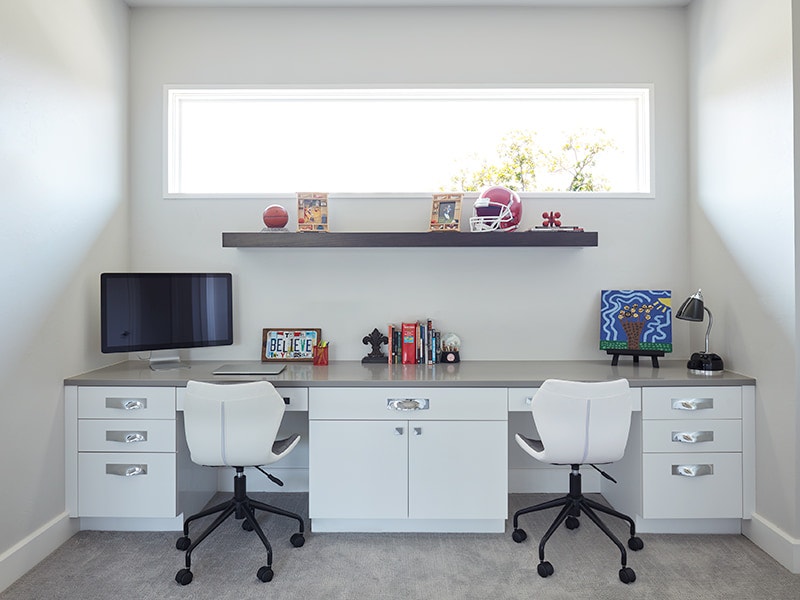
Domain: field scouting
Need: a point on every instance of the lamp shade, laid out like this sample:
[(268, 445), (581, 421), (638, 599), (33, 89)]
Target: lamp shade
[(692, 308), (701, 363)]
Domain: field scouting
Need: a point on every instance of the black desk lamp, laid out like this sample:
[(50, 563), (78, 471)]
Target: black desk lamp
[(701, 363)]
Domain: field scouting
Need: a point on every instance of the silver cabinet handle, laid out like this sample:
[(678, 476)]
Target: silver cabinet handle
[(417, 430), (692, 470), (692, 437), (407, 403), (126, 470), (692, 403), (398, 431), (126, 403), (126, 437), (528, 400)]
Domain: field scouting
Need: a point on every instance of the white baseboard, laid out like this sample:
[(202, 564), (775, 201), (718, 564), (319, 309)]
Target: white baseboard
[(29, 551), (774, 541)]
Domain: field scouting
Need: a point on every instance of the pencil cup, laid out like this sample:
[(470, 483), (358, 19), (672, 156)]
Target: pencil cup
[(320, 355)]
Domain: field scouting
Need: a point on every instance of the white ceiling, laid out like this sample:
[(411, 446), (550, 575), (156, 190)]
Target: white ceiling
[(388, 3)]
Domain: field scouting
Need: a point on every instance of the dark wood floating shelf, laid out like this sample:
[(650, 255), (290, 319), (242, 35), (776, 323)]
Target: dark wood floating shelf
[(439, 239)]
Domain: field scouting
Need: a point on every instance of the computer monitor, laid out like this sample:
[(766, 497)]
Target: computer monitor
[(163, 312)]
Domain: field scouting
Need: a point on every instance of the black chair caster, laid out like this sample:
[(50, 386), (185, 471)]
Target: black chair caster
[(184, 577), (545, 569), (265, 574), (183, 543), (635, 543), (519, 536), (626, 575)]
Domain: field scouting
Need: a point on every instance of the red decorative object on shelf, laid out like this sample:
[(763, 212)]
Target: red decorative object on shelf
[(551, 219)]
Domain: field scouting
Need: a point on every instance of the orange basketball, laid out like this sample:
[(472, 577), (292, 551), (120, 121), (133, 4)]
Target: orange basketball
[(275, 216)]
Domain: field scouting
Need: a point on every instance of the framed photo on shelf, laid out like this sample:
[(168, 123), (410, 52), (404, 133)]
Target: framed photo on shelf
[(446, 212), (312, 211), (287, 344)]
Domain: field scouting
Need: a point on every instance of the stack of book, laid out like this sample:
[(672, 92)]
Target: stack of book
[(414, 343)]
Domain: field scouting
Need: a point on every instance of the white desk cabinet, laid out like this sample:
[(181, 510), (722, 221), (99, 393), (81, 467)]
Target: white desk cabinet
[(125, 439), (375, 457), (407, 459), (692, 453)]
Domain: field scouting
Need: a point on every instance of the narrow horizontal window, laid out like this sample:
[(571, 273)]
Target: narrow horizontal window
[(237, 141)]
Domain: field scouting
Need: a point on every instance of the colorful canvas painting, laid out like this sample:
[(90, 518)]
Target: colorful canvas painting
[(636, 320)]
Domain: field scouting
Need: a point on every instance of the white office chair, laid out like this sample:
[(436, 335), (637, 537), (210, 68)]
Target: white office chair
[(235, 425), (579, 423)]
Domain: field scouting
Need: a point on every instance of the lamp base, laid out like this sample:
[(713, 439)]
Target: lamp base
[(702, 363)]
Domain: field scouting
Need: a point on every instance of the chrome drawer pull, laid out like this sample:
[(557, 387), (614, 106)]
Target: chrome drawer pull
[(692, 437), (407, 403), (127, 403), (126, 437), (528, 400), (417, 430), (692, 403), (398, 431), (692, 470), (126, 470)]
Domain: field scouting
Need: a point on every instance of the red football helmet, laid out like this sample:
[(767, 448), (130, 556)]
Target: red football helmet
[(497, 208)]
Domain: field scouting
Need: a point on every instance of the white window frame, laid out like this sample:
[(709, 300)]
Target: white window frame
[(643, 94)]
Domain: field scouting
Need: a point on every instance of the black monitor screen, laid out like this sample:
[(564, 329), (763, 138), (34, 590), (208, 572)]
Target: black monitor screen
[(157, 311)]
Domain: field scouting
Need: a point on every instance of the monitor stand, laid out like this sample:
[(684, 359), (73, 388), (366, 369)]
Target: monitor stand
[(164, 360)]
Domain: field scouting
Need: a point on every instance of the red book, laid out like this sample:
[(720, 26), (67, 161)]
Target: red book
[(409, 343)]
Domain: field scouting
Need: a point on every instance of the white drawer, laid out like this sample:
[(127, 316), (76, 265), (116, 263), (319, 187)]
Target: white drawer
[(692, 403), (118, 435), (104, 492), (715, 495), (126, 402), (519, 399), (692, 436), (408, 403), (296, 399)]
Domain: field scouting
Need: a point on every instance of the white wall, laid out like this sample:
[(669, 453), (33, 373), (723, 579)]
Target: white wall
[(742, 223), (521, 303), (63, 121)]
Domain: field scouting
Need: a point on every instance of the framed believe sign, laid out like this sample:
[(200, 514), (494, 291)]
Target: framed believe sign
[(289, 344)]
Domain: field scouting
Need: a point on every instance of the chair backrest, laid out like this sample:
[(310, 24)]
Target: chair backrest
[(582, 423), (232, 424)]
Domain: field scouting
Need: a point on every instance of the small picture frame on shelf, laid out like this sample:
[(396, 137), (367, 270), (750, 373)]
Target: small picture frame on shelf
[(288, 344), (446, 212), (312, 211)]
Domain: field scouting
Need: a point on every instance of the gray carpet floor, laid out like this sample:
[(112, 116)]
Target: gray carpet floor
[(377, 566)]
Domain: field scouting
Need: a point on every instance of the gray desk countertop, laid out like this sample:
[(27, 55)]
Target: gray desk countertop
[(480, 373)]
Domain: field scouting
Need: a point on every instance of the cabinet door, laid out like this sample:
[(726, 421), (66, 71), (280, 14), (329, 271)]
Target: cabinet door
[(358, 469), (458, 469)]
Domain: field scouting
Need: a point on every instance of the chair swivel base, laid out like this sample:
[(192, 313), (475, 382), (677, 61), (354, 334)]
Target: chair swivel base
[(573, 505), (241, 507)]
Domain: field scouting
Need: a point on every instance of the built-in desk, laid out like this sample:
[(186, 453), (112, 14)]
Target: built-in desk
[(688, 467)]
